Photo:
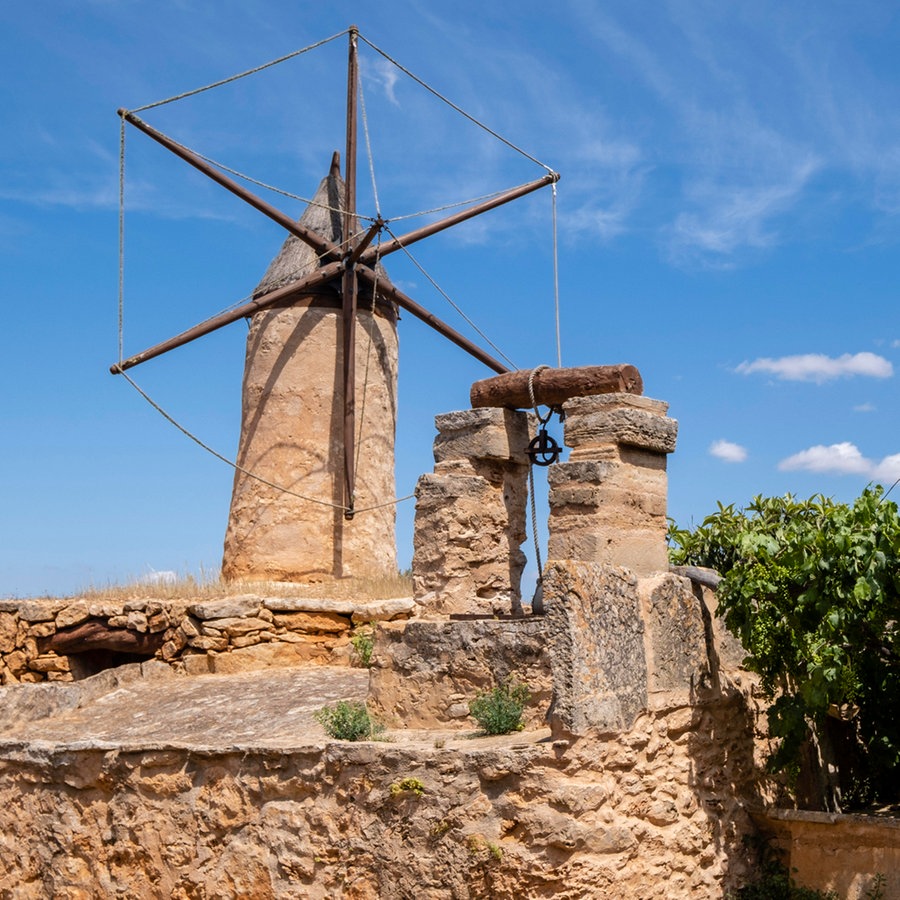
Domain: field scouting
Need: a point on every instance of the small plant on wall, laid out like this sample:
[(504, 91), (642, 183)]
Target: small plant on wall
[(363, 643), (499, 711), (348, 720)]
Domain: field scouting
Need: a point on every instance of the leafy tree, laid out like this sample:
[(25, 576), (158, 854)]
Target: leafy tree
[(812, 590)]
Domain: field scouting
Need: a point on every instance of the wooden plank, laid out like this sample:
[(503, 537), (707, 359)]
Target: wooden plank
[(97, 635), (552, 387)]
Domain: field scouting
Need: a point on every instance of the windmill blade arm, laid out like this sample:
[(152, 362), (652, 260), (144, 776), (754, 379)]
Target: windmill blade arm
[(321, 245), (386, 289), (425, 231), (320, 276)]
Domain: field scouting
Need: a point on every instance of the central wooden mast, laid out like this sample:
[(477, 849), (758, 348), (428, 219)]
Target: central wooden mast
[(349, 281)]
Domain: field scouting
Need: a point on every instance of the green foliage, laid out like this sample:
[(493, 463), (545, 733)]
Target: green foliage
[(408, 786), (348, 720), (499, 711), (363, 642), (812, 590)]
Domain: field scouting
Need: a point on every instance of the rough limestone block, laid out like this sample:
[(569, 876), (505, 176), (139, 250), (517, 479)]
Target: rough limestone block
[(497, 434), (677, 641), (310, 623), (596, 644), (245, 605), (425, 673), (466, 543), (621, 419), (8, 631)]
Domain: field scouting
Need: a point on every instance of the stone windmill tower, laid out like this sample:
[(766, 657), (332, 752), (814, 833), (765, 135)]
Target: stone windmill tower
[(314, 481), (292, 424)]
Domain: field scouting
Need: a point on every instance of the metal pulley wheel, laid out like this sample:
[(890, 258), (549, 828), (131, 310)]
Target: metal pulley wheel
[(543, 450)]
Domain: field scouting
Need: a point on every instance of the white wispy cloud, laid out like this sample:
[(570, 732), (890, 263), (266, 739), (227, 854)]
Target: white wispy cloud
[(164, 576), (729, 217), (842, 459), (386, 76), (820, 368), (728, 451), (864, 408)]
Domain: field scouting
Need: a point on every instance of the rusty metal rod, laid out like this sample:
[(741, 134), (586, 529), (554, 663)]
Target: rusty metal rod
[(321, 245), (386, 289), (404, 240), (320, 276)]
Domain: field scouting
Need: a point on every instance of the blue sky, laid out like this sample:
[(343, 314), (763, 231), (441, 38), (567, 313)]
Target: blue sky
[(728, 219)]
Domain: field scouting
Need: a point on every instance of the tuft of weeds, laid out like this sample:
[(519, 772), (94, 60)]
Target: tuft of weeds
[(408, 786), (348, 720), (477, 845), (499, 711), (363, 643)]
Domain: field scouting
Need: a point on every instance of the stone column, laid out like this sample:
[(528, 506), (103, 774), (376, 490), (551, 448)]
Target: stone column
[(470, 515), (608, 502)]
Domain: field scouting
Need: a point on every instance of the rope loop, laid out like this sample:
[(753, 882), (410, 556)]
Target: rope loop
[(543, 420)]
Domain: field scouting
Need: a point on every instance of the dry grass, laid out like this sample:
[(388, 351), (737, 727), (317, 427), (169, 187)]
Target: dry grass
[(212, 587)]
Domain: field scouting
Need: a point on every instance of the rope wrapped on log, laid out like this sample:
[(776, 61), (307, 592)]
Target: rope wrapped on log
[(552, 387)]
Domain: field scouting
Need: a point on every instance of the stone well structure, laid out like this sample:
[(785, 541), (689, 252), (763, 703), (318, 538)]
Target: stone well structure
[(291, 427), (638, 773)]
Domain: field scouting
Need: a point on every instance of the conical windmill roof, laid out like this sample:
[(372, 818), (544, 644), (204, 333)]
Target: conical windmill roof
[(296, 258), (323, 216)]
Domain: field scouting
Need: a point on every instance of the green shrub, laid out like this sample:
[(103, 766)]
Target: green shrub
[(348, 720), (363, 642), (499, 711), (811, 590)]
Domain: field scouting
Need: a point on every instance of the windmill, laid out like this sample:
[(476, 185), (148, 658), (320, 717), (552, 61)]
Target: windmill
[(306, 500)]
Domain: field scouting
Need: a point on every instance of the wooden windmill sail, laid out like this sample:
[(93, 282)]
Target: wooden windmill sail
[(314, 481)]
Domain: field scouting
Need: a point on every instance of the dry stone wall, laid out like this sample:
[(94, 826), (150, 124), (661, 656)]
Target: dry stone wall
[(425, 673), (65, 640)]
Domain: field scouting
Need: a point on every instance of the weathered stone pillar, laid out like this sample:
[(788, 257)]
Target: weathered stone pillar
[(608, 502), (292, 427), (470, 515)]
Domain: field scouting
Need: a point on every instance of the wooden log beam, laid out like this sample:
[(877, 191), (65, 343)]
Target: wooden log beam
[(552, 387), (97, 635)]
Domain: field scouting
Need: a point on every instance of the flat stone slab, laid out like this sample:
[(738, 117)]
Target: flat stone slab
[(123, 709)]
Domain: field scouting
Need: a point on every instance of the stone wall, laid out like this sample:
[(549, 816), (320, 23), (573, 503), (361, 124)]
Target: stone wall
[(841, 853), (647, 815), (65, 640)]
